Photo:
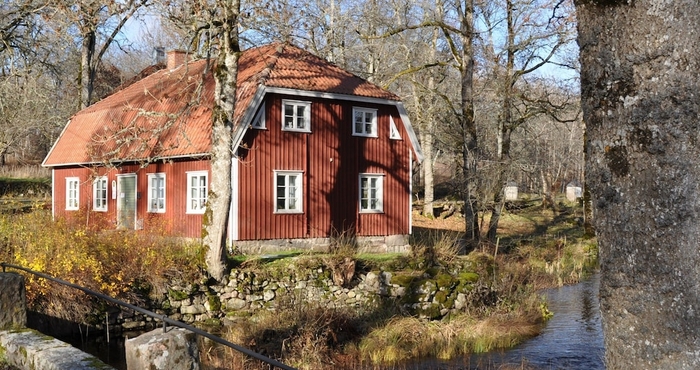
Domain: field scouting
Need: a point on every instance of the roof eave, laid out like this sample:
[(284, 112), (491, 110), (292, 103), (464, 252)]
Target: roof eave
[(127, 161)]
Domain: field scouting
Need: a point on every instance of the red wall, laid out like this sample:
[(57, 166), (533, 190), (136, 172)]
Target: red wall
[(175, 220), (331, 159)]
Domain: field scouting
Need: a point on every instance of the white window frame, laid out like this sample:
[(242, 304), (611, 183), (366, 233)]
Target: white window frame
[(100, 195), (298, 192), (367, 197), (362, 130), (258, 122), (306, 116), (154, 194), (202, 192), (393, 130), (72, 193)]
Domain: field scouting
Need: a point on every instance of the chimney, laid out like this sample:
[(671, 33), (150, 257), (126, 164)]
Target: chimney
[(158, 55), (176, 58)]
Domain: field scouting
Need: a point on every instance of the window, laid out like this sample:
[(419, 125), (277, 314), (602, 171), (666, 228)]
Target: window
[(371, 193), (296, 116), (364, 122), (196, 191), (99, 194), (288, 192), (393, 131), (259, 119), (156, 192), (72, 193)]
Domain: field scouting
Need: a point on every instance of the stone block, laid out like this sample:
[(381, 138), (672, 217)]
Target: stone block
[(29, 349), (176, 349), (13, 302), (195, 309)]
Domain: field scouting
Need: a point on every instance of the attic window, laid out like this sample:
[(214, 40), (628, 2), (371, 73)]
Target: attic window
[(259, 120), (364, 122), (296, 116), (393, 131)]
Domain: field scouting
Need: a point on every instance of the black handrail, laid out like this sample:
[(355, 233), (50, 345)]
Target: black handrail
[(164, 318)]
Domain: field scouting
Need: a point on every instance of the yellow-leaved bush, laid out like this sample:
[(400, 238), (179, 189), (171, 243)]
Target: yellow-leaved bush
[(123, 264)]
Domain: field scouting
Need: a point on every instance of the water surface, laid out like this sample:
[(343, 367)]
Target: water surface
[(571, 340)]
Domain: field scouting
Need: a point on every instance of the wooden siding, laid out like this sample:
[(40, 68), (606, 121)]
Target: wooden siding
[(175, 220), (331, 159)]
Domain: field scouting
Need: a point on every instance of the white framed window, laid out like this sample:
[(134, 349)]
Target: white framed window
[(197, 188), (393, 131), (72, 193), (296, 115), (99, 194), (259, 119), (371, 193), (156, 192), (364, 122), (288, 192)]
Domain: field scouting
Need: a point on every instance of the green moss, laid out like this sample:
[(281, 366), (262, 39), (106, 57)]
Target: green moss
[(405, 280), (445, 281), (214, 302), (441, 297), (177, 295), (468, 277)]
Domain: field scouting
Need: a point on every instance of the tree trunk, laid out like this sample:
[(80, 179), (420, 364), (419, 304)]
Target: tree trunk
[(428, 185), (219, 200), (469, 139), (87, 70), (506, 127), (640, 84)]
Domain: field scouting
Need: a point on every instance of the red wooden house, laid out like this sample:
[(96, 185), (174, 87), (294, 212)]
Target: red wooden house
[(319, 151)]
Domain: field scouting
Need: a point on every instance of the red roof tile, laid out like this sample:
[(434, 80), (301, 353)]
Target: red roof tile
[(168, 113)]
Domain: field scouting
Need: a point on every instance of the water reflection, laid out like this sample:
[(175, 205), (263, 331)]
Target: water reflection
[(572, 339)]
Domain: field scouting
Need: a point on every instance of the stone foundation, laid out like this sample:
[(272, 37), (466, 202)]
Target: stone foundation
[(364, 244)]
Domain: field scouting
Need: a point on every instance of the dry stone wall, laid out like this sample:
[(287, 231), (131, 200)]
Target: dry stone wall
[(427, 294)]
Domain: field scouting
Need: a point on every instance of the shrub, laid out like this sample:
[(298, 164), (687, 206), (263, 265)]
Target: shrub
[(127, 265)]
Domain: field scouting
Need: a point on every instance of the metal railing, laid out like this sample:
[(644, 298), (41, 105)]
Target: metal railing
[(165, 319)]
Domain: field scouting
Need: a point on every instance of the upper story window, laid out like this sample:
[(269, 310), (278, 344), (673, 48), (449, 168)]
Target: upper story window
[(371, 193), (296, 115), (393, 131), (364, 122), (288, 192), (197, 187), (259, 120), (99, 194), (156, 192), (72, 193)]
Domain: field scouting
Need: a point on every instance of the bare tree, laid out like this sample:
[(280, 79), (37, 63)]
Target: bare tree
[(639, 80), (533, 38), (97, 25)]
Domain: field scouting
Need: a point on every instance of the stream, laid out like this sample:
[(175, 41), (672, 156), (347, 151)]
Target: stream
[(571, 340)]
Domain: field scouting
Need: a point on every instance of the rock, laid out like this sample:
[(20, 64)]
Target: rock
[(130, 325), (175, 349), (268, 295), (195, 309), (13, 305), (236, 304)]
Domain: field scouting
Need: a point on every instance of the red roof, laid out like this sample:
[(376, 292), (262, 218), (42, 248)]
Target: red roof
[(168, 113)]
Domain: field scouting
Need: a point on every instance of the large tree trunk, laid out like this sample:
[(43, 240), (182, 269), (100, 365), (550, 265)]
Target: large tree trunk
[(219, 200), (640, 101), (469, 139)]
